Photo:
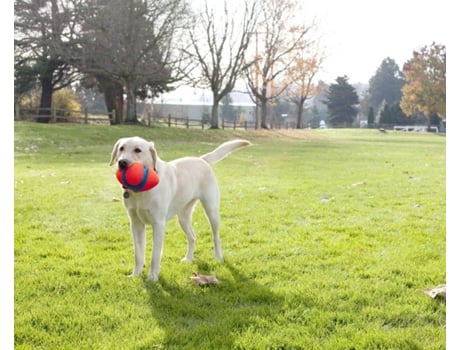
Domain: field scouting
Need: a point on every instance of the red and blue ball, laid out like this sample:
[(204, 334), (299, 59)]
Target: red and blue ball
[(137, 177)]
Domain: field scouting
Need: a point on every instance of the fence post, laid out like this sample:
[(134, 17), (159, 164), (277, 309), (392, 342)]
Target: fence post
[(169, 120), (186, 122), (245, 125), (202, 123), (16, 113), (53, 114), (86, 115)]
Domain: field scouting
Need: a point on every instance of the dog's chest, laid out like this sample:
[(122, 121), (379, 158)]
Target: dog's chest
[(145, 216), (140, 208)]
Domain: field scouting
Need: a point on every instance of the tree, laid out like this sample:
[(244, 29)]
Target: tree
[(301, 74), (392, 114), (370, 116), (425, 90), (341, 101), (44, 32), (221, 51), (386, 84), (112, 91), (280, 36), (133, 44)]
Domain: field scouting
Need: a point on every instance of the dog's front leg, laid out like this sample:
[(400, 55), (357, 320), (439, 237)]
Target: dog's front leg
[(157, 251), (138, 232)]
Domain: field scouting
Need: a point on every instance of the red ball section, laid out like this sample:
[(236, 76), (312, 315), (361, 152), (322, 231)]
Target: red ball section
[(137, 177)]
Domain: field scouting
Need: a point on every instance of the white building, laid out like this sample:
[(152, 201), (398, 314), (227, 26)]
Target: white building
[(195, 104)]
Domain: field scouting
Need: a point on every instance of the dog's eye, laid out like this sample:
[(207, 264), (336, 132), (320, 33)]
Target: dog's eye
[(137, 150), (122, 149)]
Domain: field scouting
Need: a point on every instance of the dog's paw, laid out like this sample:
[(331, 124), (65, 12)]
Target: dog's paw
[(152, 278)]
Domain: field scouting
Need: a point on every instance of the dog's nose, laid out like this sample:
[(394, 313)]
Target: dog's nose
[(123, 163)]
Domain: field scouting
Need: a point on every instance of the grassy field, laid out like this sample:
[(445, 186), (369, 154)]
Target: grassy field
[(328, 235)]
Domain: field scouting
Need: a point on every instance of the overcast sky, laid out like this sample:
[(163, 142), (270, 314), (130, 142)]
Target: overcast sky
[(358, 35)]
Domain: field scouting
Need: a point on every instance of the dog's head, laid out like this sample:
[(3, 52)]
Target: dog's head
[(133, 149)]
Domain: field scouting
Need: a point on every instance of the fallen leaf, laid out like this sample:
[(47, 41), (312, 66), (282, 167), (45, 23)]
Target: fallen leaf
[(203, 280), (438, 290)]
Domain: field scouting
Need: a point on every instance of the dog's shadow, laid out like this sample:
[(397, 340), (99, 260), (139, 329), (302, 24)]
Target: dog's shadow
[(212, 317)]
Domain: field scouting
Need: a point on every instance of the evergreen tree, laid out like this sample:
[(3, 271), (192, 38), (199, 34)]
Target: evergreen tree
[(371, 116), (392, 114), (386, 84), (341, 101)]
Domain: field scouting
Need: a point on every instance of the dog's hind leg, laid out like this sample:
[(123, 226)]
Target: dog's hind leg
[(185, 221), (211, 208)]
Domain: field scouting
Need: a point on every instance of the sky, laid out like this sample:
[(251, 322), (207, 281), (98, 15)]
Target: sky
[(358, 35)]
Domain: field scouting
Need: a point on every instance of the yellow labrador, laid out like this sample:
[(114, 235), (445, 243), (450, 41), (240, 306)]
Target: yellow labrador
[(183, 182)]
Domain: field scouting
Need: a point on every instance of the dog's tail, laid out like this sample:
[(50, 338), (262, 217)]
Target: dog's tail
[(224, 150)]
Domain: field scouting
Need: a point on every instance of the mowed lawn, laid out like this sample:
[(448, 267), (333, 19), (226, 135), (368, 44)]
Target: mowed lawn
[(329, 237)]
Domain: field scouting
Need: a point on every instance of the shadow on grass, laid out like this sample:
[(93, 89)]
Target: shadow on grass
[(212, 317)]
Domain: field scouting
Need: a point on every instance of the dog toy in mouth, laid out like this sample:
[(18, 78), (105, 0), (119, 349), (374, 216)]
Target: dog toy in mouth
[(137, 177)]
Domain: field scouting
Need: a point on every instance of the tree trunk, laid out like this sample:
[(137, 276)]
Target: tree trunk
[(215, 114), (46, 99), (113, 95), (131, 116), (263, 107), (119, 105), (299, 113), (263, 117), (114, 102)]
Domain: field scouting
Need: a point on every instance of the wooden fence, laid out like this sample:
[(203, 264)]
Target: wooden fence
[(191, 123), (224, 124), (60, 115)]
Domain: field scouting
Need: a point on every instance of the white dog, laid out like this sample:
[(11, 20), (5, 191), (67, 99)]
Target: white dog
[(183, 182)]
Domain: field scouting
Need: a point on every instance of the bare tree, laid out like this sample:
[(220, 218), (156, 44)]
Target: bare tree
[(280, 36), (300, 76), (134, 44), (218, 45)]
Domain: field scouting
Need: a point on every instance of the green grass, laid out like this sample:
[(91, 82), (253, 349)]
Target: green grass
[(328, 235)]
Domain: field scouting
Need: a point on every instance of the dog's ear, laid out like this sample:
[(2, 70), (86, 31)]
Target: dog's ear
[(153, 153), (114, 157)]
